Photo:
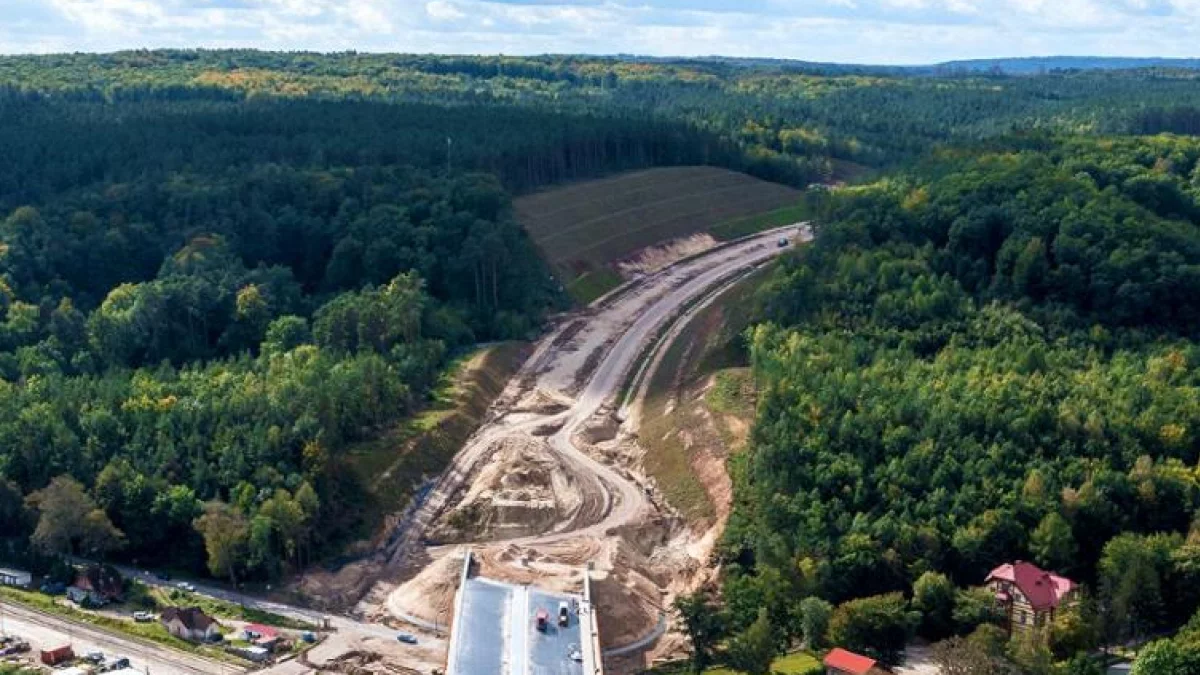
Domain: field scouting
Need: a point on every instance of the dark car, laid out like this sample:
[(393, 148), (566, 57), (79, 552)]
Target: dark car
[(407, 638)]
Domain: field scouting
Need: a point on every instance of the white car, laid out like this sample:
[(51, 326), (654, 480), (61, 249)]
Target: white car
[(185, 586), (143, 617)]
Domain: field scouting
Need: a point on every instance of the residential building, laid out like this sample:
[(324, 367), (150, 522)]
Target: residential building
[(190, 623), (97, 585), (15, 577), (262, 636), (1029, 595), (842, 662)]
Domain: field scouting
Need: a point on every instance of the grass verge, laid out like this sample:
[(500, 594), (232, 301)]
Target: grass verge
[(395, 465), (741, 227), (592, 285), (160, 598), (152, 632), (686, 438), (799, 663), (796, 663)]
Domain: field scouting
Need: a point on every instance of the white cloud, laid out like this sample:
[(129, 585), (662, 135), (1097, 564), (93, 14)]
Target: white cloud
[(877, 31), (441, 10)]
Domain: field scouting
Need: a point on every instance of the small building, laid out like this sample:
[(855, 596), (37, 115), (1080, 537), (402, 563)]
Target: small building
[(842, 662), (251, 653), (15, 577), (97, 585), (190, 623), (261, 635), (1029, 595)]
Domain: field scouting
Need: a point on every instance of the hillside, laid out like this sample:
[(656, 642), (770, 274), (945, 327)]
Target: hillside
[(1040, 64), (587, 226)]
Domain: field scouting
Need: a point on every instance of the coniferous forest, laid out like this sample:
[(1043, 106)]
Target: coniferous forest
[(221, 269)]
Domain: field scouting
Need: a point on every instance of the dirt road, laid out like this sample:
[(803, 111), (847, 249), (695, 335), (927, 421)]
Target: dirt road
[(552, 481), (47, 631)]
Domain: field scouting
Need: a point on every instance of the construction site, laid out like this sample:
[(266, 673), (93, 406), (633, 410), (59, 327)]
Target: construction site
[(549, 501)]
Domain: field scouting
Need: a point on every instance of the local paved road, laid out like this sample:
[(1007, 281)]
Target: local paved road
[(48, 631)]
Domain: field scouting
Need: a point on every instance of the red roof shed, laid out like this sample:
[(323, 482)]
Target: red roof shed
[(842, 661)]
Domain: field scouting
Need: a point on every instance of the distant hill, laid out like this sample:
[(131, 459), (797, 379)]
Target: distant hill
[(1011, 66), (1032, 66)]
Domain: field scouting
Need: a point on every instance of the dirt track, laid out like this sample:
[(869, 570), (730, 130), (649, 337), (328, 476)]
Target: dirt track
[(552, 480)]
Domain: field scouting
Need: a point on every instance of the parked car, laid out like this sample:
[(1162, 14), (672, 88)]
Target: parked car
[(308, 636), (13, 646), (117, 664), (55, 588), (185, 586), (407, 638), (542, 619), (564, 614), (143, 617), (94, 657)]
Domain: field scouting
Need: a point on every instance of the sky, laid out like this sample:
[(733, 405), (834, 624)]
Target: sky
[(846, 31)]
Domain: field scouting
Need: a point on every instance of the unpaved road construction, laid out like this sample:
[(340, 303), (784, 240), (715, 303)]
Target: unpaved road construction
[(553, 480)]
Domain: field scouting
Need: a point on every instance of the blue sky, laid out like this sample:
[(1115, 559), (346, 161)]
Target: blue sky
[(852, 31)]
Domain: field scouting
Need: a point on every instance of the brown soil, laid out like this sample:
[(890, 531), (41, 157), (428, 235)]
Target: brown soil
[(655, 258), (522, 489), (430, 595)]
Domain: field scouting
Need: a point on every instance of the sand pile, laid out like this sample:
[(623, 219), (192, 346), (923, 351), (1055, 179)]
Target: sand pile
[(429, 596), (653, 259), (628, 606), (523, 488)]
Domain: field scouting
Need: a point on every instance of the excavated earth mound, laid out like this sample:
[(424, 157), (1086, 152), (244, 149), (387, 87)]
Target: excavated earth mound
[(521, 489)]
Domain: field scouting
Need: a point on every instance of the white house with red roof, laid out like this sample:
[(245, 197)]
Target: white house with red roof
[(1029, 595)]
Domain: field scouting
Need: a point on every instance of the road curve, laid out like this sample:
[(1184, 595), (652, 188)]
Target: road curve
[(662, 296)]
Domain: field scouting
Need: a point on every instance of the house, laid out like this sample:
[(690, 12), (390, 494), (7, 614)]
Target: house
[(14, 577), (262, 636), (190, 623), (1029, 595), (841, 662), (97, 585)]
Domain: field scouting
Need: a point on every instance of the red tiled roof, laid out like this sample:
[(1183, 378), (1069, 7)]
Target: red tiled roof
[(848, 662), (1043, 589), (261, 630)]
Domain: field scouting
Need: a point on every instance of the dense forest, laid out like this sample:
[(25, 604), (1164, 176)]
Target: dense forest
[(219, 270), (989, 358)]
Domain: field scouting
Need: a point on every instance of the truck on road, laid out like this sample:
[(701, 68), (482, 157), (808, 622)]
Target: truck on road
[(542, 619)]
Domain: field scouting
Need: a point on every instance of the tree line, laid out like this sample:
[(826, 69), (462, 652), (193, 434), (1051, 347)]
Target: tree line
[(987, 359)]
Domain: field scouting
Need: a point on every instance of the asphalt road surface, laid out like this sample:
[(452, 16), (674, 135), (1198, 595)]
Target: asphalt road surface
[(498, 635), (48, 631)]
